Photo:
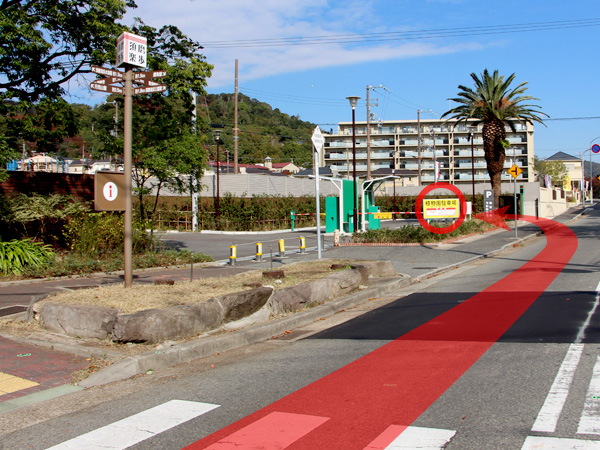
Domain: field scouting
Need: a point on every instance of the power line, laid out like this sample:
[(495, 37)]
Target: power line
[(406, 35)]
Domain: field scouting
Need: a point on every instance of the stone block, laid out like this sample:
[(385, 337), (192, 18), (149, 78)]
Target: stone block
[(176, 322), (78, 320), (242, 304)]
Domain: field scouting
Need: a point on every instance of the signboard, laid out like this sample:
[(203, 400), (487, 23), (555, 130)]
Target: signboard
[(105, 88), (515, 171), (108, 191), (141, 77), (108, 80), (150, 89), (107, 72), (318, 140), (131, 50), (441, 208), (596, 148), (382, 215), (488, 200)]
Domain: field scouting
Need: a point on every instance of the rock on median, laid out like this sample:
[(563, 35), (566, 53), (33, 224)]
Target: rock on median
[(314, 292), (78, 320)]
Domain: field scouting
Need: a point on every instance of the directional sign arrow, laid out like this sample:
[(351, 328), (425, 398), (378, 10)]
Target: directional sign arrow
[(150, 89), (106, 88), (367, 403), (107, 72), (108, 80), (515, 171)]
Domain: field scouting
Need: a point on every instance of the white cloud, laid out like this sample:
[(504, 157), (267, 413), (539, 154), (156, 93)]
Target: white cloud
[(230, 20)]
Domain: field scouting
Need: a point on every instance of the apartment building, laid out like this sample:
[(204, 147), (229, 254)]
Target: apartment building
[(445, 144)]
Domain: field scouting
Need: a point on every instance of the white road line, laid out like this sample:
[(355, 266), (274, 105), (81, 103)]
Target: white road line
[(586, 324), (590, 417), (547, 443), (410, 438), (548, 416), (136, 428)]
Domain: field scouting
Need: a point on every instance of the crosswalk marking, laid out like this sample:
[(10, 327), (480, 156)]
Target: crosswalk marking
[(548, 443), (412, 438), (10, 383), (590, 417), (127, 432), (548, 416), (275, 431)]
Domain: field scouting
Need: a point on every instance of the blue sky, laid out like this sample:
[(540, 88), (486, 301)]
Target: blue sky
[(561, 65)]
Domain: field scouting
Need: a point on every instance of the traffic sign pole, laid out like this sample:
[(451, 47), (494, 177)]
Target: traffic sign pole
[(127, 125), (516, 215), (318, 140)]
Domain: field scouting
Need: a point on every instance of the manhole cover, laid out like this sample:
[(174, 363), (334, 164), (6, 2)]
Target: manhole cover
[(12, 310)]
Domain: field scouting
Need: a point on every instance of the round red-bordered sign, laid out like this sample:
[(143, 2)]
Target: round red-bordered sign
[(419, 208), (596, 148)]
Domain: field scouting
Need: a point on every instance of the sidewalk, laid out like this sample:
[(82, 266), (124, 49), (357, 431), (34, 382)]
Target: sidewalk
[(48, 370)]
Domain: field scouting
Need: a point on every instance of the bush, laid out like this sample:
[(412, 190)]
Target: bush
[(418, 234), (95, 234), (16, 256), (39, 216)]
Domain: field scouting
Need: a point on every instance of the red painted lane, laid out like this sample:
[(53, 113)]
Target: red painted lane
[(275, 431), (396, 383)]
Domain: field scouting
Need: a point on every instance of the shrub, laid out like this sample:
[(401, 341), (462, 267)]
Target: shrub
[(16, 256), (95, 234)]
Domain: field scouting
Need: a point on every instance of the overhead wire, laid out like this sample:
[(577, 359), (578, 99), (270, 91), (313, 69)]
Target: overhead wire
[(405, 35)]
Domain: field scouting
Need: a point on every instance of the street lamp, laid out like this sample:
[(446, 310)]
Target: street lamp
[(353, 101), (217, 133)]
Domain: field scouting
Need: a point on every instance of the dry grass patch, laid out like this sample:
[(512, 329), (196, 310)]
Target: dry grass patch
[(141, 297)]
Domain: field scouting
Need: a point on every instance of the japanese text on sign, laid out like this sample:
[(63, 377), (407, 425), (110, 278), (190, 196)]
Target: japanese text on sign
[(441, 208)]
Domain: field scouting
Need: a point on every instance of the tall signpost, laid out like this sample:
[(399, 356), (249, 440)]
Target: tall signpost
[(131, 52), (515, 171), (318, 141)]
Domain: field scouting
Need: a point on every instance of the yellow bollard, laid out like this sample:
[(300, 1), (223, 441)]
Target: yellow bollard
[(281, 248), (302, 245), (259, 253), (232, 255)]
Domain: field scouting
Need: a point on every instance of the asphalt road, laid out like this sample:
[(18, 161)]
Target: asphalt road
[(355, 378)]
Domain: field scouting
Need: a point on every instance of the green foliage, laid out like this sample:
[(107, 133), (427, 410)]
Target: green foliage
[(556, 169), (495, 104), (260, 212), (95, 234), (418, 234), (76, 264), (264, 131), (17, 255), (45, 43), (41, 216)]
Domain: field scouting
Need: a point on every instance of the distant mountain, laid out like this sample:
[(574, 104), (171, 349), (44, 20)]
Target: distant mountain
[(263, 131)]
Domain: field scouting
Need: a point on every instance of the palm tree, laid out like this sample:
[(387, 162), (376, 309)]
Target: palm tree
[(495, 104)]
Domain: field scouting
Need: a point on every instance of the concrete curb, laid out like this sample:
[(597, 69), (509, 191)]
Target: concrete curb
[(135, 365)]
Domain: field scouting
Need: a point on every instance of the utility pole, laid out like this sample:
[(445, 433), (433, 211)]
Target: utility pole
[(369, 88), (419, 142), (235, 122)]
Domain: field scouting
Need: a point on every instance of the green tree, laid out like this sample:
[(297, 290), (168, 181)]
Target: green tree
[(555, 169), (45, 43), (496, 105)]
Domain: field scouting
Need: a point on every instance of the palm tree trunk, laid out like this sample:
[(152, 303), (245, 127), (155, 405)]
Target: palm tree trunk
[(493, 135)]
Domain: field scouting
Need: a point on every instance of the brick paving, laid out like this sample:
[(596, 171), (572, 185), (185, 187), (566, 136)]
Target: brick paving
[(47, 368)]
